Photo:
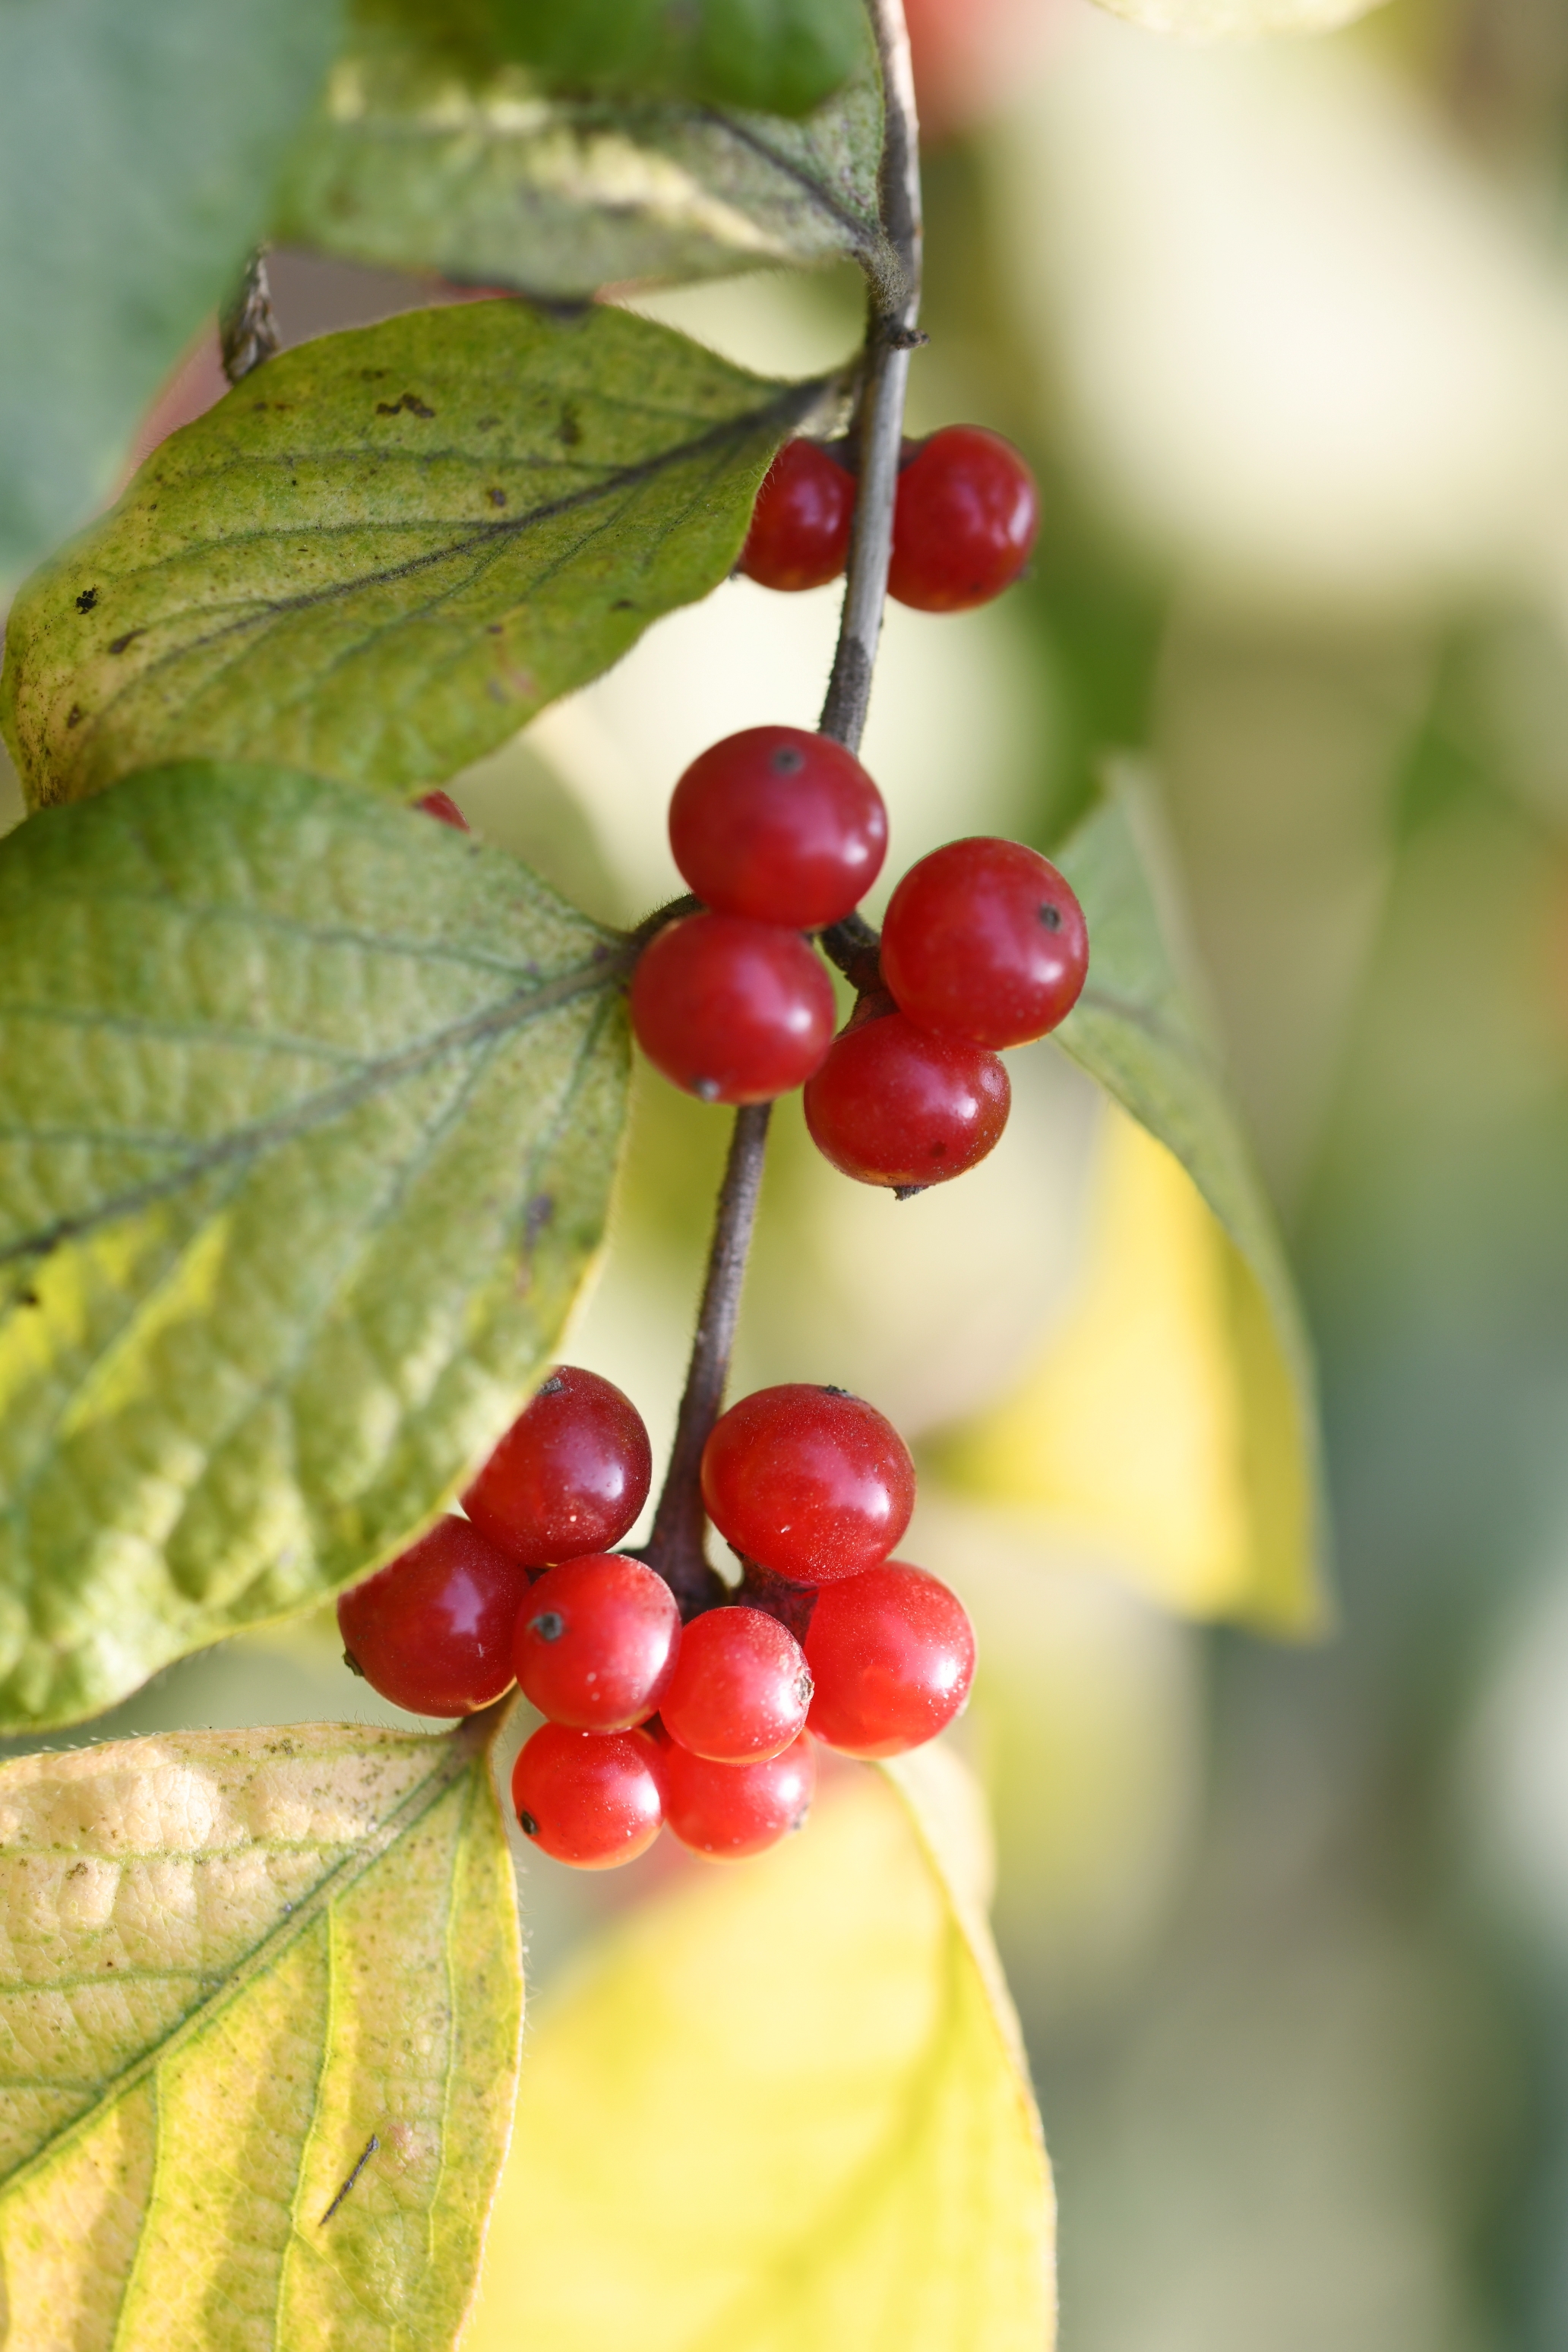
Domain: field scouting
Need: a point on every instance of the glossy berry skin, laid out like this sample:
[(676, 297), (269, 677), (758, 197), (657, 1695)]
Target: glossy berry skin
[(740, 1688), (893, 1656), (984, 940), (799, 536), (780, 825), (893, 1105), (965, 520), (729, 1810), (733, 1010), (591, 1799), (432, 1631), (595, 1643), (445, 809), (571, 1474), (813, 1484)]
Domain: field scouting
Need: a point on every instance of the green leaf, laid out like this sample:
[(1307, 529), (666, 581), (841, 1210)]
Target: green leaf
[(261, 2005), (1239, 20), (139, 146), (798, 2090), (419, 160), (383, 551), (1138, 1030), (781, 55), (309, 1112)]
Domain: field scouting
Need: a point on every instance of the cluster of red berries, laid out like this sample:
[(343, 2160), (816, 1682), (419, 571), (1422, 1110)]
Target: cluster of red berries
[(780, 833), (964, 519), (707, 1729)]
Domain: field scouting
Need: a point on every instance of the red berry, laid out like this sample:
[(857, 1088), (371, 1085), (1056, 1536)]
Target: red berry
[(443, 806), (983, 939), (965, 520), (729, 1810), (590, 1797), (740, 1689), (595, 1643), (432, 1630), (893, 1105), (733, 1010), (571, 1474), (810, 1482), (800, 525), (780, 825), (893, 1655)]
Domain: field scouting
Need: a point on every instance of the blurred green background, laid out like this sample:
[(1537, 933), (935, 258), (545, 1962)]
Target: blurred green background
[(1285, 331)]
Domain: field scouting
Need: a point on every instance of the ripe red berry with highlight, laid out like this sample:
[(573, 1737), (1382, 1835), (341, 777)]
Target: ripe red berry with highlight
[(812, 1483), (893, 1105), (965, 520), (799, 536), (984, 940), (571, 1474), (591, 1799), (740, 1688), (893, 1656), (445, 809), (729, 1810), (780, 825), (733, 1010), (595, 1643), (432, 1630)]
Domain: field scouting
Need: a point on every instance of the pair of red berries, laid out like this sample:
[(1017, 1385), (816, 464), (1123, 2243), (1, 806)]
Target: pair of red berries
[(964, 519), (812, 1483), (781, 832)]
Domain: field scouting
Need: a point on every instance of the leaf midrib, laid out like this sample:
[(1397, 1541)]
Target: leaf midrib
[(511, 1012)]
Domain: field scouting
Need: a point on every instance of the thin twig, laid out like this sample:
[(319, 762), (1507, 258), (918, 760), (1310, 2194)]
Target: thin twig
[(675, 1549), (247, 329)]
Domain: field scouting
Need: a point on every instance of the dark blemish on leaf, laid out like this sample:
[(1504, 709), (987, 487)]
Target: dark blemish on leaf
[(623, 604), (486, 424), (73, 716), (495, 628), (118, 644), (78, 1870), (409, 401), (28, 1298), (373, 375), (86, 600), (496, 498), (371, 2144), (1051, 917), (569, 432), (537, 1215)]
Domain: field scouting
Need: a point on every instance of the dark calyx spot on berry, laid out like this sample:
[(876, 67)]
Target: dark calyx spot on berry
[(354, 1664), (705, 1090), (909, 1192), (1051, 917), (787, 760), (552, 1386), (527, 1825), (549, 1624), (828, 1389), (804, 1688), (86, 600)]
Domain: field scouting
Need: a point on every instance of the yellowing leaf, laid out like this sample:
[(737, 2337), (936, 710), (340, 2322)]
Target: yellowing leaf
[(385, 551), (309, 1113), (785, 2110), (1239, 20), (1172, 1420), (260, 2004)]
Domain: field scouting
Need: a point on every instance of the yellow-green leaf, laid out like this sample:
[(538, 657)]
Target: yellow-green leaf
[(385, 551), (261, 1997), (786, 2109), (1239, 20), (309, 1112), (1172, 1418), (420, 159)]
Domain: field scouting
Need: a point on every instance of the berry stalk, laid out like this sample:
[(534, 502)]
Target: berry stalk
[(676, 1548)]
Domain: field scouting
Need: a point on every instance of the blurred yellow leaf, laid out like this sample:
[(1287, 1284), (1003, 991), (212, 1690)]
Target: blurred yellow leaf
[(1172, 1420), (1238, 20), (259, 1997), (785, 2112)]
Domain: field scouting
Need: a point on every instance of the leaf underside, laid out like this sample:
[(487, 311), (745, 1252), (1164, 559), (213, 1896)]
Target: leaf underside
[(418, 160), (798, 2090), (259, 2002), (383, 551), (309, 1112), (1136, 1030)]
